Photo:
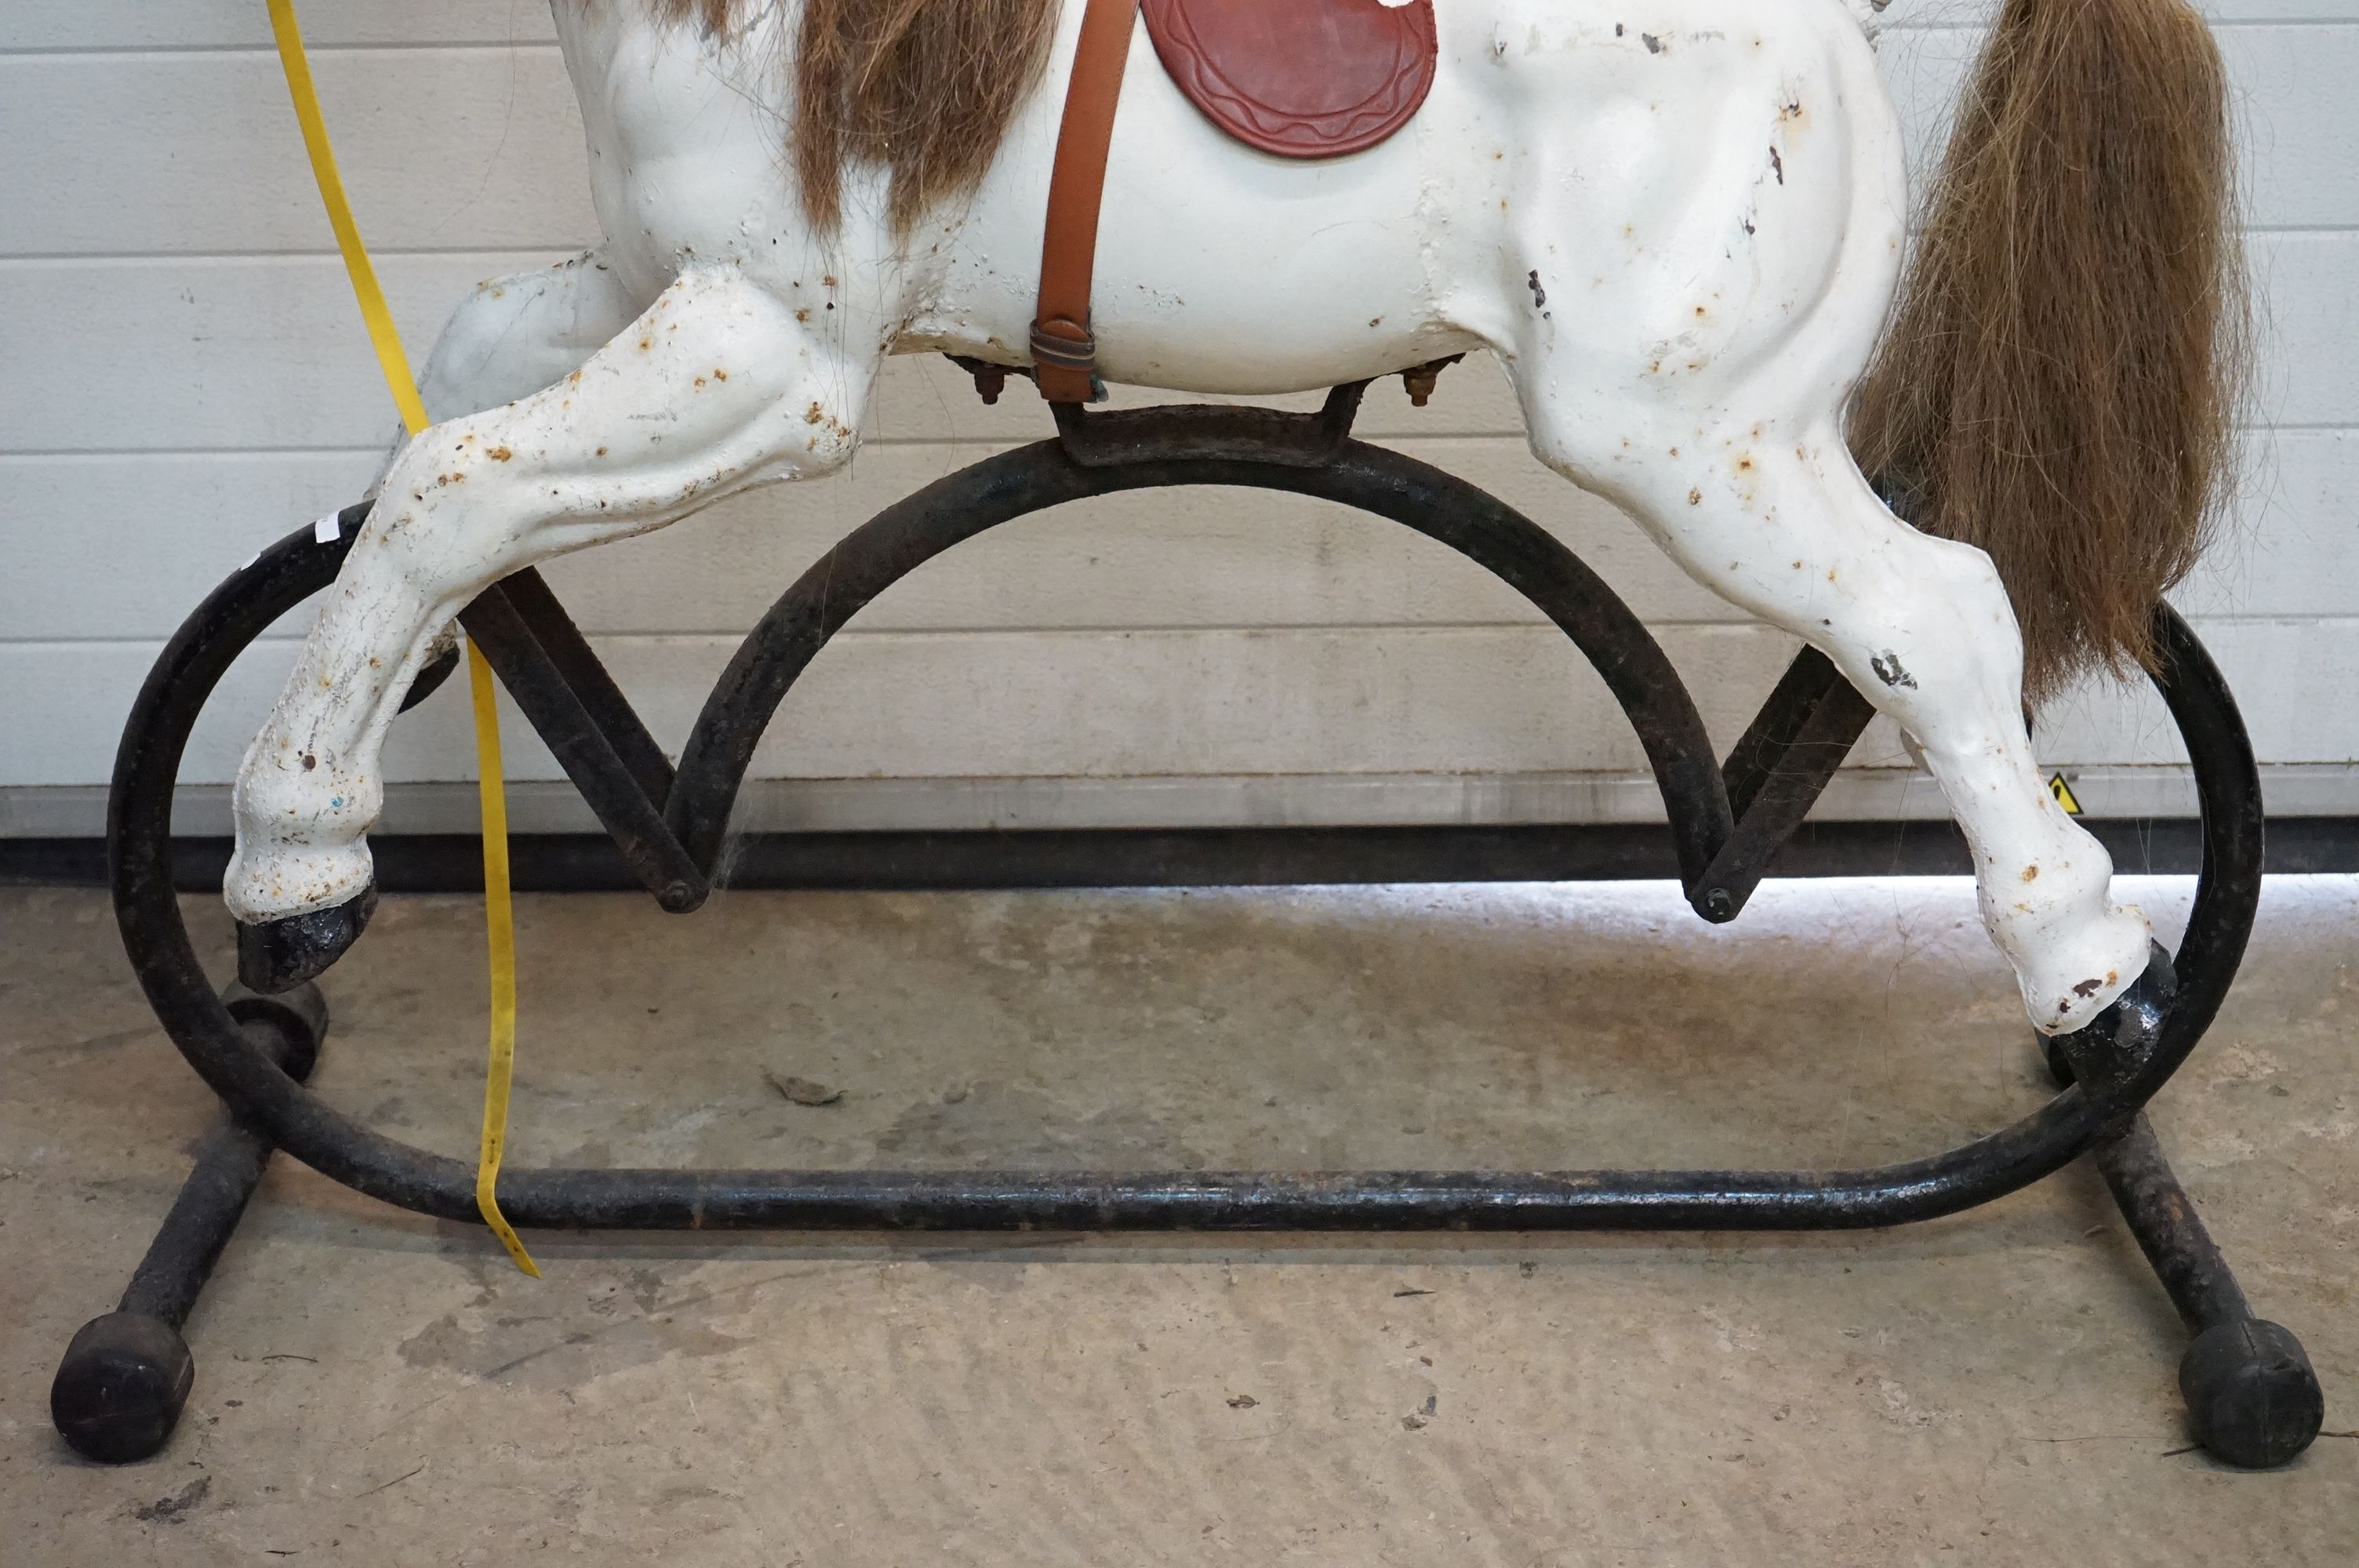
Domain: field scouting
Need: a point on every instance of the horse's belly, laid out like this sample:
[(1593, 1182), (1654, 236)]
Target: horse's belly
[(1292, 301), (1219, 269)]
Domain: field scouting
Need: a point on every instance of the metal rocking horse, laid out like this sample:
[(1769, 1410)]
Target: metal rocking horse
[(1680, 226)]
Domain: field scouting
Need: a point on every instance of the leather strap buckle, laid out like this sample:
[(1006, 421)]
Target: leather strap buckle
[(1064, 351), (1064, 343)]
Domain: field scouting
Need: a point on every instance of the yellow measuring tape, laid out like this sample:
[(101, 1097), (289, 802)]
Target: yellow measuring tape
[(499, 916)]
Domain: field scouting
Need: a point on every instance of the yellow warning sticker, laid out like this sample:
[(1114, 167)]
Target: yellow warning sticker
[(2064, 795)]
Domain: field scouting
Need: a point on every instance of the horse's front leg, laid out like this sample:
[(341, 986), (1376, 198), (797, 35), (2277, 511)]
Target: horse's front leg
[(1772, 513), (716, 386), (516, 334)]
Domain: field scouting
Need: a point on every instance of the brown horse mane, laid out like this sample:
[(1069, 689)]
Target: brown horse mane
[(924, 89)]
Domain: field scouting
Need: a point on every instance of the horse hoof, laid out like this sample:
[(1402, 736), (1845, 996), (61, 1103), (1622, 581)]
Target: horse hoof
[(2252, 1399), (278, 955), (2124, 1031)]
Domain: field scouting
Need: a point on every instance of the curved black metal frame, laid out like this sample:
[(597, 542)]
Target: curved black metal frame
[(1727, 823)]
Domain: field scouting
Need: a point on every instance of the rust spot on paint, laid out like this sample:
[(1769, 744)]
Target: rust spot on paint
[(1695, 498), (2031, 873), (499, 454)]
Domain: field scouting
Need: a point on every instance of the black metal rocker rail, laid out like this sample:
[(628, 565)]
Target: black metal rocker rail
[(2253, 1398)]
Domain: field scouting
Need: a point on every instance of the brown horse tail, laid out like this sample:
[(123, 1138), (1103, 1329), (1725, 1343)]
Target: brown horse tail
[(2060, 382)]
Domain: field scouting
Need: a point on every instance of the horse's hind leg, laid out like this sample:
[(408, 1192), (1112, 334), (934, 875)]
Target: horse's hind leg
[(715, 386), (1774, 516)]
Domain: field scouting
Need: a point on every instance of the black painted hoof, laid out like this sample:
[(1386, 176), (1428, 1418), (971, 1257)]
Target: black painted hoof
[(2252, 1399), (2123, 1034), (2060, 1070), (119, 1392), (280, 954)]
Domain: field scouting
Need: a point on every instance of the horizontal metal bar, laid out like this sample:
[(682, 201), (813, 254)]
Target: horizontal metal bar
[(985, 858), (1232, 1200)]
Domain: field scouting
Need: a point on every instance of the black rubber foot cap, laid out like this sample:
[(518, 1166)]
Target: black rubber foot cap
[(119, 1389), (2252, 1399), (2125, 1030), (280, 954)]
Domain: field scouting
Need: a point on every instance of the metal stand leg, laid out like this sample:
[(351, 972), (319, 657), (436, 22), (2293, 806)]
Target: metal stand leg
[(120, 1389), (2252, 1398)]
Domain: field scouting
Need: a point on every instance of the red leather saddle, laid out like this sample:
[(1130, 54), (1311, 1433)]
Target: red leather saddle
[(1302, 78), (1298, 78)]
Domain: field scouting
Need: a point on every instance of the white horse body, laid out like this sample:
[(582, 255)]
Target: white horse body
[(1676, 223), (1622, 153)]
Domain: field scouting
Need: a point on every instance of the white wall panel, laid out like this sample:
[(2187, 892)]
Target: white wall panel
[(201, 155), (1193, 558), (142, 25), (1120, 703), (182, 380)]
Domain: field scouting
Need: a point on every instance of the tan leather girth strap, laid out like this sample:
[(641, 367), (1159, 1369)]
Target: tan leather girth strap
[(1064, 354)]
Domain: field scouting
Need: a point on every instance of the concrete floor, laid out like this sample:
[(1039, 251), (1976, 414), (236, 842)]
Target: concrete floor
[(375, 1388)]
